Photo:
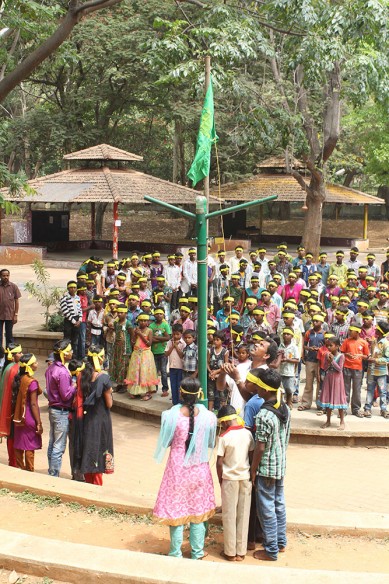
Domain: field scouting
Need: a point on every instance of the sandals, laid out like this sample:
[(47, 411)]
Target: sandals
[(385, 414), (367, 414), (146, 397), (295, 399), (358, 414), (228, 558), (303, 408)]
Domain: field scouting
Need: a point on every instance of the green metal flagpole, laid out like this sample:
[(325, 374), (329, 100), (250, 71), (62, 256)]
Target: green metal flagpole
[(202, 217)]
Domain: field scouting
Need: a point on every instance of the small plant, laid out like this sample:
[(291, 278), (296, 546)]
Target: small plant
[(55, 322), (47, 296)]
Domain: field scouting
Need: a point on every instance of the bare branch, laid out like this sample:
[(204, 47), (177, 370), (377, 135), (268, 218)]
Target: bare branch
[(331, 123), (308, 122), (10, 53), (94, 5), (315, 172), (277, 75), (24, 69), (300, 180), (196, 3)]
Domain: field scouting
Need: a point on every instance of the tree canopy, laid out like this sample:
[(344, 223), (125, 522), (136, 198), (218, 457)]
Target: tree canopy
[(308, 78)]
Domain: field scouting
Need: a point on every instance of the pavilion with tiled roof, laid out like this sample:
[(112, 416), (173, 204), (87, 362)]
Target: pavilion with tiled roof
[(98, 180), (273, 180)]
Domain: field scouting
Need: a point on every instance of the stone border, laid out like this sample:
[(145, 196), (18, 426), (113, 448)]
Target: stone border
[(88, 564)]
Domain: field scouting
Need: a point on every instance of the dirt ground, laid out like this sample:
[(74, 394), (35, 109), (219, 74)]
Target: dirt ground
[(147, 227), (104, 527), (8, 577)]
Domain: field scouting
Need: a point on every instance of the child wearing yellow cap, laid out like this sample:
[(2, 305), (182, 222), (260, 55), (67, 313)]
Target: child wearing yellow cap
[(290, 358), (233, 470), (333, 395), (142, 375), (313, 340), (156, 268), (122, 348), (355, 350)]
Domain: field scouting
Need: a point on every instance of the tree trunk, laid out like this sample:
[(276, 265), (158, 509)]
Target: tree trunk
[(191, 231), (175, 154), (178, 153), (284, 211), (100, 210), (313, 220), (383, 192)]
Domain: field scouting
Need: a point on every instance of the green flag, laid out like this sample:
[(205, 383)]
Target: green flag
[(206, 137)]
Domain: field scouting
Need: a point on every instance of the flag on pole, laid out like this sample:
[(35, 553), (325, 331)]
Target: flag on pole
[(205, 138)]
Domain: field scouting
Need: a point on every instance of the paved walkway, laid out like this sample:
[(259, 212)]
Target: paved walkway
[(318, 477)]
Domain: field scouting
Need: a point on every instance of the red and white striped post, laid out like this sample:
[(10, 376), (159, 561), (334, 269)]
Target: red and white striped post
[(115, 238)]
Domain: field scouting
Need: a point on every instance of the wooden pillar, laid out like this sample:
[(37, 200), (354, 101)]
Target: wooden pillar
[(93, 221), (115, 237), (337, 209), (365, 220)]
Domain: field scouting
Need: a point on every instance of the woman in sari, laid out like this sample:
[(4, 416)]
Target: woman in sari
[(186, 494), (7, 401), (93, 440), (27, 419)]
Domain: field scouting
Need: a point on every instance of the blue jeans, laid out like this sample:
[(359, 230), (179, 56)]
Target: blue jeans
[(81, 341), (272, 514), (297, 379), (196, 540), (175, 382), (161, 365), (381, 382), (59, 428), (97, 340)]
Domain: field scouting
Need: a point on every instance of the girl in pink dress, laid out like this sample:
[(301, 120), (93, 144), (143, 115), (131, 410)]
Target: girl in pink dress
[(186, 494), (142, 374), (333, 394)]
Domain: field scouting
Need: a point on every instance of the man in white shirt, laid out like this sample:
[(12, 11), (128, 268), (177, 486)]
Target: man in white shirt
[(234, 262), (352, 262), (173, 279), (190, 272)]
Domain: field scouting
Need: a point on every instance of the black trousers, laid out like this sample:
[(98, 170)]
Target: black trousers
[(71, 332), (8, 332)]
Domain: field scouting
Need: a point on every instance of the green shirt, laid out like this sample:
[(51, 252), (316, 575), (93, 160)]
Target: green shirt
[(275, 435), (160, 329)]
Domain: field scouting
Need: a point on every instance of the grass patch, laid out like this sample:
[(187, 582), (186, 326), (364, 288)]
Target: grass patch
[(42, 501)]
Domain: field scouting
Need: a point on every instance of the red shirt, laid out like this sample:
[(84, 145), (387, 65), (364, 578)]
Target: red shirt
[(321, 354), (355, 347), (84, 303)]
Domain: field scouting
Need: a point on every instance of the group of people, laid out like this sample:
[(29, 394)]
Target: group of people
[(144, 313), (126, 322), (251, 462), (79, 395)]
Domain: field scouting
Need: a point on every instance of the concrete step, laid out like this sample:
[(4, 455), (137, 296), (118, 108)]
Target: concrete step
[(75, 563)]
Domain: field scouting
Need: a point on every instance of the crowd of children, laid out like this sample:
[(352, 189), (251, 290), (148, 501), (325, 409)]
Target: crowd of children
[(144, 312)]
